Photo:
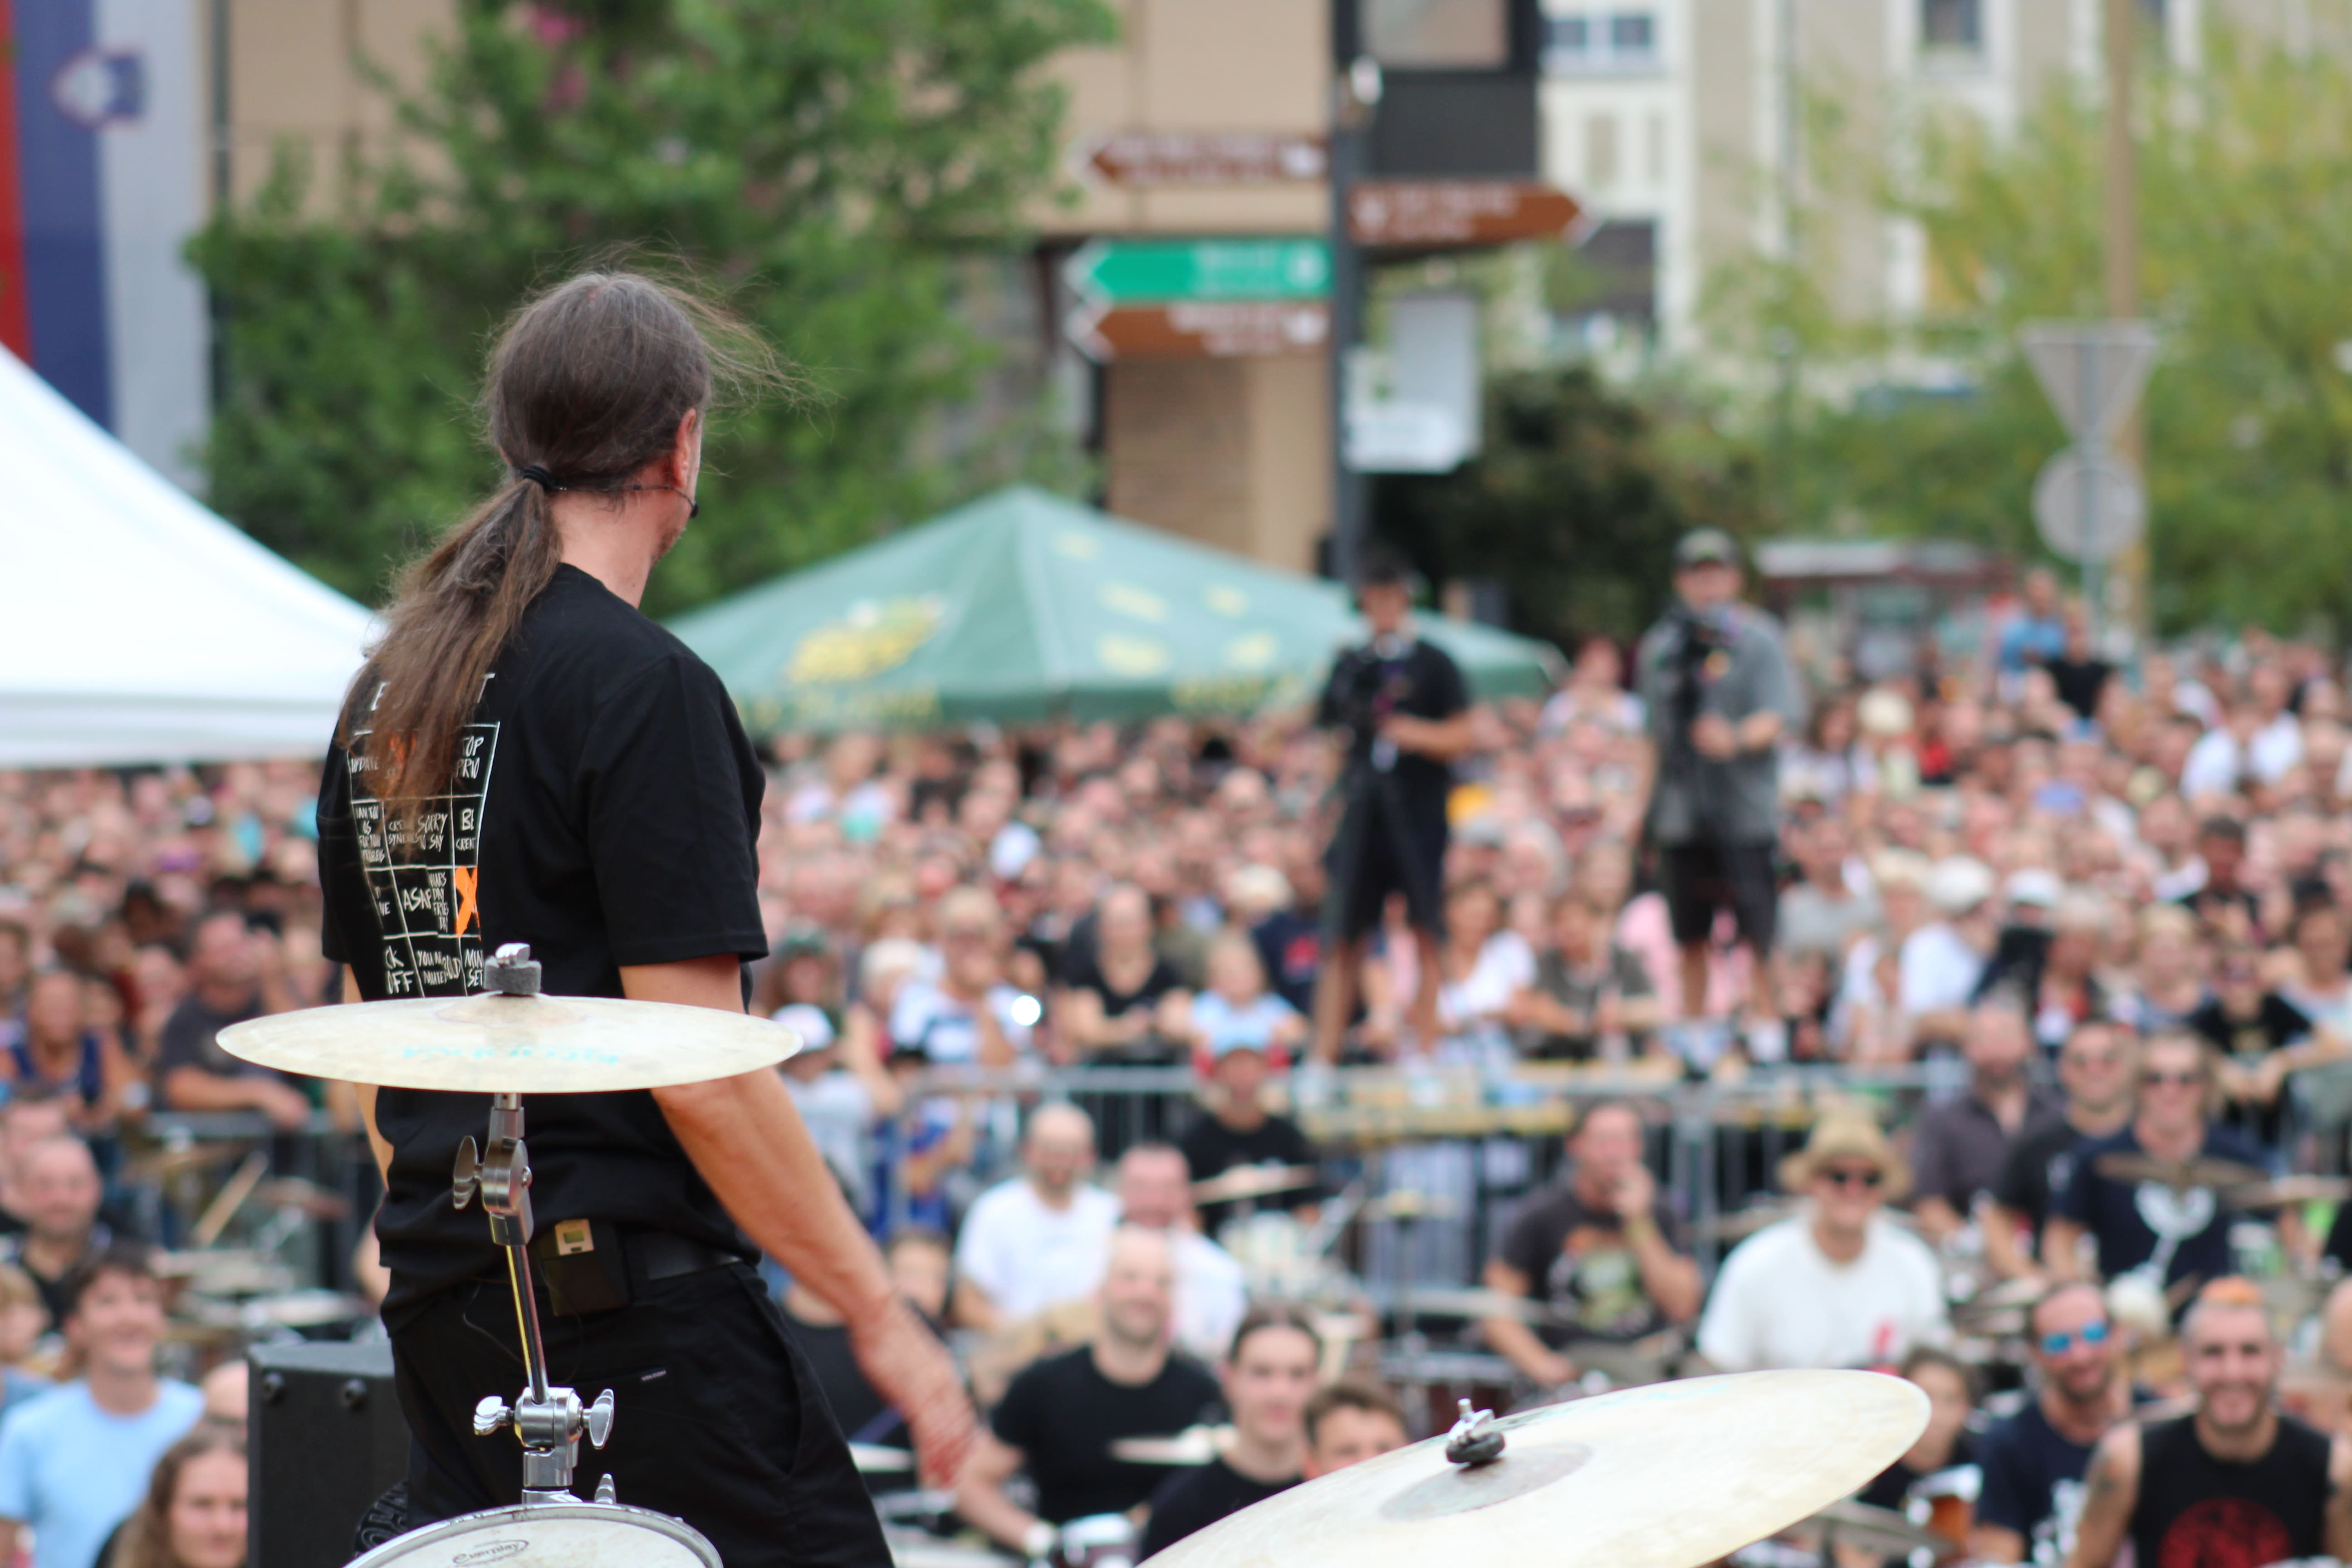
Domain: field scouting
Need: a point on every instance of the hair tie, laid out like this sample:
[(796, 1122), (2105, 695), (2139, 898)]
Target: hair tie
[(539, 475)]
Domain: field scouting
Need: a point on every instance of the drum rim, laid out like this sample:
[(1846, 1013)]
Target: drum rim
[(513, 1514)]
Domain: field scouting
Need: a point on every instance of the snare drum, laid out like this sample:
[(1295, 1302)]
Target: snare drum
[(550, 1535)]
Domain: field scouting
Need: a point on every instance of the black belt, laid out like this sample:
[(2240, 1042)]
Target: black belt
[(596, 1266)]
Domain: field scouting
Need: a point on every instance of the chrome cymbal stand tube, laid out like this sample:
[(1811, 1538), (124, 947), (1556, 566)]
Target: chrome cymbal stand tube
[(547, 1420)]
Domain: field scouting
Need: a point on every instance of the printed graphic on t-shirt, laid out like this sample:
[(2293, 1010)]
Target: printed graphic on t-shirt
[(2224, 1532), (426, 885), (1596, 1282)]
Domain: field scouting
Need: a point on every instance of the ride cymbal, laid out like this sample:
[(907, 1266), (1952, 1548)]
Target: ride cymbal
[(512, 1045), (1671, 1476), (1252, 1182)]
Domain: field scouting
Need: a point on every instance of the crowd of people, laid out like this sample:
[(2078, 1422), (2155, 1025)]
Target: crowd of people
[(2110, 903)]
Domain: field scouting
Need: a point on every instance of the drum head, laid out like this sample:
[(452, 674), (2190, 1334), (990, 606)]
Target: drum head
[(550, 1535)]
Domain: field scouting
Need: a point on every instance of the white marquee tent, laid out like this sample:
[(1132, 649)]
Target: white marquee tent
[(136, 626)]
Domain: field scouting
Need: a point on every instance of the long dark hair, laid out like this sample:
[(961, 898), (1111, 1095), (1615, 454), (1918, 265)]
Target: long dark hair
[(145, 1540), (588, 383)]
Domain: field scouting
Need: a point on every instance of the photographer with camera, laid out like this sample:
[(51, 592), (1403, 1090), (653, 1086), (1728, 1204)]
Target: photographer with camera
[(1404, 710), (1720, 691)]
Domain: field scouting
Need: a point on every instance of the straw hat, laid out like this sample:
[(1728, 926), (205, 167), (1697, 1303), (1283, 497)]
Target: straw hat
[(1846, 1134)]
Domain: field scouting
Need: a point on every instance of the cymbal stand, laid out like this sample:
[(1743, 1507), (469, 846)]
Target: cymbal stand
[(549, 1421)]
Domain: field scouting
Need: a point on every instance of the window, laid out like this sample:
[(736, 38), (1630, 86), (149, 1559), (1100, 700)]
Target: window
[(1426, 35), (1576, 43), (1951, 24)]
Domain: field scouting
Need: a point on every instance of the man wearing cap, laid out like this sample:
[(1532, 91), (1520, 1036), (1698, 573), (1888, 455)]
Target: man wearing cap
[(1404, 709), (1719, 690), (1838, 1284)]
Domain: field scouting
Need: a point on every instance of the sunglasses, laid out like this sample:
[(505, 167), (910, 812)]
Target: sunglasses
[(2172, 1079), (1867, 1178), (2091, 1335)]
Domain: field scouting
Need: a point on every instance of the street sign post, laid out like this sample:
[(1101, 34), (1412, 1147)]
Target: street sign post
[(1197, 329), (1145, 159), (1126, 271), (1396, 213), (2087, 504), (2088, 508)]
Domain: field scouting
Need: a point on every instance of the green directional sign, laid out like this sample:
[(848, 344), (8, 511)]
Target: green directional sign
[(1120, 270)]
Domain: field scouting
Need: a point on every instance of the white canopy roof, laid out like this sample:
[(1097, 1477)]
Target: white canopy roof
[(137, 626)]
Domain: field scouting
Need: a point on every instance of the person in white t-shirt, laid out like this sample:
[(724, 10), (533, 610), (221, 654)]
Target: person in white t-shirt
[(1838, 1285), (1155, 1193), (1039, 1238), (1943, 960)]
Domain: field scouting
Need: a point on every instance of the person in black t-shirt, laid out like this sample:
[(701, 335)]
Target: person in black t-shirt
[(2078, 673), (1600, 1249), (2033, 1463), (919, 1269), (1404, 709), (1061, 1415), (1267, 1377), (2234, 1485), (1240, 1130), (1120, 998), (2095, 1070), (2249, 1024), (1946, 1443), (525, 757)]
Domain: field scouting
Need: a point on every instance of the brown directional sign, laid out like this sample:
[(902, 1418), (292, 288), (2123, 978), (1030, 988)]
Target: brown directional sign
[(1200, 328), (1143, 158), (1457, 212)]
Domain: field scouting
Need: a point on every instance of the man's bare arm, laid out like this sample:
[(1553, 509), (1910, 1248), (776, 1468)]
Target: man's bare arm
[(747, 1141), (2002, 1249), (980, 1494), (2337, 1539), (2061, 1249), (1994, 1543), (1514, 1341), (2110, 1491)]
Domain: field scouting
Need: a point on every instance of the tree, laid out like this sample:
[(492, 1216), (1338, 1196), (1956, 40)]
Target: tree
[(849, 175), (1576, 501), (2246, 200)]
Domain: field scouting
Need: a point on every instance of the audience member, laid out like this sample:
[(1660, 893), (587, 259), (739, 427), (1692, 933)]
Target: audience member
[(194, 1515), (2095, 1075), (1349, 1422), (57, 1051), (2234, 1480), (1950, 1388), (1598, 1250), (1962, 1143), (968, 1015), (1237, 1012), (1037, 1238), (75, 1462), (1589, 997), (225, 986), (1837, 1285), (2033, 1463), (60, 1191), (1239, 1130), (1268, 1375), (915, 1257), (1155, 1194), (1060, 1416), (2169, 1223)]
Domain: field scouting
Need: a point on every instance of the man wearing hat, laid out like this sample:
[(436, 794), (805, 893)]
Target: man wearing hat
[(1837, 1284), (1719, 690)]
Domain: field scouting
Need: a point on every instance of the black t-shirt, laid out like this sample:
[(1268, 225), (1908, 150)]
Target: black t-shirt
[(2040, 1164), (2197, 1510), (1575, 1258), (1083, 971), (862, 1415), (1418, 680), (2032, 1481), (1891, 1488), (1192, 1500), (191, 1039), (2276, 1022), (2124, 1216), (1064, 1415), (1210, 1149), (2079, 682), (605, 809)]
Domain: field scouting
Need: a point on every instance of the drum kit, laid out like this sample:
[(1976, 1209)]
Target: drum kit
[(1609, 1478)]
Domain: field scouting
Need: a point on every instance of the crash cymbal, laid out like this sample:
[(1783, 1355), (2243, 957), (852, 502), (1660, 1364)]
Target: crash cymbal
[(877, 1460), (1192, 1446), (1405, 1204), (2178, 1175), (1252, 1182), (2286, 1190), (1741, 1224), (1671, 1476), (294, 1193), (1447, 1302), (512, 1045), (1872, 1528), (174, 1160)]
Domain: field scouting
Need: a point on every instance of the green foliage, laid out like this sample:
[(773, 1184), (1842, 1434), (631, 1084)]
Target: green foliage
[(1576, 502), (850, 176), (2245, 170)]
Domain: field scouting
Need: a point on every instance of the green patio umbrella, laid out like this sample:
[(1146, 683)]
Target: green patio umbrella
[(1024, 606)]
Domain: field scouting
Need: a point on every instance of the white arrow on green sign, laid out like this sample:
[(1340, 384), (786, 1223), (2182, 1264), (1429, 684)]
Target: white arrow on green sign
[(1119, 271)]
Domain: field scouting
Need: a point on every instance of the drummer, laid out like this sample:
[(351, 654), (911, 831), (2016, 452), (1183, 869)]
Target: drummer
[(526, 757), (1599, 1248)]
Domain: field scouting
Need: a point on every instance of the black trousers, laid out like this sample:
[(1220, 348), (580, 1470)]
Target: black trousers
[(716, 1417)]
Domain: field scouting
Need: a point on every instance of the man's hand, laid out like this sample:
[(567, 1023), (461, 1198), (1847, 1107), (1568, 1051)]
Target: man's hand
[(909, 1366), (1712, 736), (1636, 1192), (287, 1107)]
